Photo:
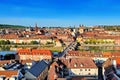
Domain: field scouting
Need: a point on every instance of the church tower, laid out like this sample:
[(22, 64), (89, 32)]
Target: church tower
[(36, 27), (81, 29)]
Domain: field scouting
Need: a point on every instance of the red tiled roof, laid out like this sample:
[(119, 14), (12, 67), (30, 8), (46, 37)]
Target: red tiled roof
[(92, 54), (77, 53), (9, 73), (78, 78), (118, 61), (46, 52), (10, 36), (41, 37), (52, 73), (26, 61), (2, 62), (23, 51), (79, 63), (106, 54), (116, 54), (34, 51)]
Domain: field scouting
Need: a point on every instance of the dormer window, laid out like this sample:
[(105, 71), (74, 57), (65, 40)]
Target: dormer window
[(81, 65), (75, 65)]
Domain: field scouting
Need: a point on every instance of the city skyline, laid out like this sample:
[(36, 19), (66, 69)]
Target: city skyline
[(60, 12)]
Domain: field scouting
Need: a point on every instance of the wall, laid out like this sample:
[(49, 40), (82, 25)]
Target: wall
[(83, 72)]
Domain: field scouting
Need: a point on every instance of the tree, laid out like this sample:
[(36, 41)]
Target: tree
[(2, 42), (5, 48), (7, 42), (34, 42), (49, 42), (15, 46), (1, 57), (86, 42), (9, 56)]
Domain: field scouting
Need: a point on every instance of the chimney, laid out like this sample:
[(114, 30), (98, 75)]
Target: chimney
[(69, 60), (114, 64)]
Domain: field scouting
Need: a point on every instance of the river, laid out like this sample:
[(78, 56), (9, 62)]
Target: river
[(7, 52)]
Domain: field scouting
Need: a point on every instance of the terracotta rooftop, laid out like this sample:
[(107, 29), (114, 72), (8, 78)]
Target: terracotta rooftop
[(2, 62), (26, 61), (78, 78), (116, 54), (9, 36), (79, 63), (93, 54), (23, 51), (106, 54), (118, 61), (52, 72), (47, 52), (34, 51), (79, 53), (9, 73)]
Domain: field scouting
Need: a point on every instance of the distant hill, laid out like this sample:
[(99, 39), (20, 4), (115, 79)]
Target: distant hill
[(116, 27), (11, 26), (110, 27)]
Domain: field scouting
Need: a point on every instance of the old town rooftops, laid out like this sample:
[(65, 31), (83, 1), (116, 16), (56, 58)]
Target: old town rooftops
[(33, 51), (9, 73), (79, 63), (93, 54), (37, 69)]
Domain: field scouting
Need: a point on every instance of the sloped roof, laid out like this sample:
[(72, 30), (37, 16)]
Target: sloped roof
[(24, 51), (118, 61), (9, 73), (37, 69), (81, 62), (2, 62), (33, 51), (47, 52)]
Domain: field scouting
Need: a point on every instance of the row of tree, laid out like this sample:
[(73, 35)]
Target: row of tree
[(95, 41), (3, 42), (10, 26), (7, 56), (5, 48), (7, 42), (117, 27), (98, 49)]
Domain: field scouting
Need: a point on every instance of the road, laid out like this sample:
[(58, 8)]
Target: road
[(100, 77), (71, 46)]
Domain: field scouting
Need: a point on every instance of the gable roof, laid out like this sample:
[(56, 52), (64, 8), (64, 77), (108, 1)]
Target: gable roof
[(42, 51), (24, 51), (37, 69), (81, 62), (9, 73), (118, 61), (33, 51), (2, 62)]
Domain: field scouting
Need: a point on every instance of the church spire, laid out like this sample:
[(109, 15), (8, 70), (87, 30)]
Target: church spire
[(36, 27)]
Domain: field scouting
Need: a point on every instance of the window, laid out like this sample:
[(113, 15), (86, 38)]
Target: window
[(89, 74), (75, 65), (88, 69), (80, 69), (85, 69), (71, 73)]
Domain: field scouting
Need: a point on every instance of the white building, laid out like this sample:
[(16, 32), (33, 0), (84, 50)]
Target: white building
[(82, 67)]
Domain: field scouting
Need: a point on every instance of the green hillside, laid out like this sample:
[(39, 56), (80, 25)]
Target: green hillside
[(11, 26)]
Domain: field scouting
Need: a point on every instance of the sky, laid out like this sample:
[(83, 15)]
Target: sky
[(60, 12)]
